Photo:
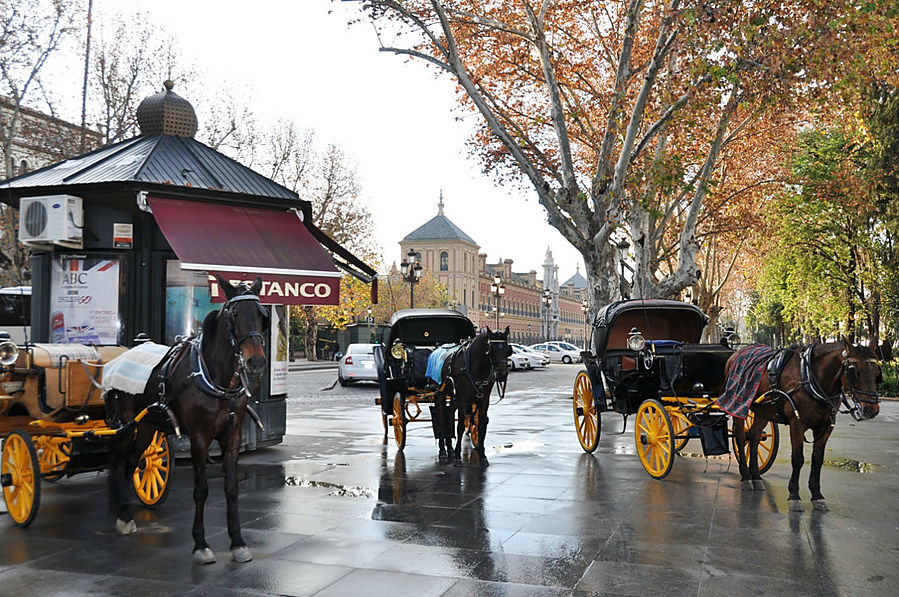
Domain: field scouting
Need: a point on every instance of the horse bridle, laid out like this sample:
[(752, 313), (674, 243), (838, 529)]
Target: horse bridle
[(850, 370), (237, 341)]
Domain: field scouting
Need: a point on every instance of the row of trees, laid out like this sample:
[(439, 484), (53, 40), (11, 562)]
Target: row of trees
[(677, 126), (40, 34)]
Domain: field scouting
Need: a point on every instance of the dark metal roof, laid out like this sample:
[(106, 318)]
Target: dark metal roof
[(428, 326), (439, 228), (177, 162)]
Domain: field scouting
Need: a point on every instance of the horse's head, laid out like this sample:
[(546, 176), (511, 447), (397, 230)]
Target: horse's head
[(859, 378), (246, 321), (499, 351)]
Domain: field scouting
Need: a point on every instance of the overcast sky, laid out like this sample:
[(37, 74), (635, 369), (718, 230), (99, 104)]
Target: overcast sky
[(395, 118)]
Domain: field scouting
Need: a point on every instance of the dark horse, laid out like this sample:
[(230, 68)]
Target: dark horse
[(201, 386), (807, 395), (469, 375)]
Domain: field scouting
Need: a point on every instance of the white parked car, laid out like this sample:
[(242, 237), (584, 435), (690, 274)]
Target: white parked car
[(357, 364), (556, 353), (517, 362), (538, 359)]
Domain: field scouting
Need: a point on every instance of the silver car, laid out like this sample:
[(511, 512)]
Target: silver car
[(358, 364), (556, 353)]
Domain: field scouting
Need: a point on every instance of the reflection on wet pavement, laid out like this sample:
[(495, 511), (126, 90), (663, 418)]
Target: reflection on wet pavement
[(337, 510)]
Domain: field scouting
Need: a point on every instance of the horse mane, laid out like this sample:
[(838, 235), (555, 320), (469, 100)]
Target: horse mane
[(209, 325)]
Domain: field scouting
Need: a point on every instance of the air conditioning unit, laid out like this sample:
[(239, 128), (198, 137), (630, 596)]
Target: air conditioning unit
[(51, 220)]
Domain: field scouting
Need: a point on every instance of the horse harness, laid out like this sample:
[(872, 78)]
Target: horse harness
[(481, 387), (192, 349), (809, 382)]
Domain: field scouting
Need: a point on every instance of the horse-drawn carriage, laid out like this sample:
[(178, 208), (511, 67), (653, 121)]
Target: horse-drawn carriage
[(435, 357), (52, 422), (401, 358), (649, 362)]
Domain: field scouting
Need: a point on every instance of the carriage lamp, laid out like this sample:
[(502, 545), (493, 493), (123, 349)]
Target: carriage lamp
[(9, 353), (731, 338), (635, 340), (398, 350)]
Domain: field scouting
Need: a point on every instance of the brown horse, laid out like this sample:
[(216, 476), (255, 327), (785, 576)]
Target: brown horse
[(807, 395), (201, 386), (470, 374)]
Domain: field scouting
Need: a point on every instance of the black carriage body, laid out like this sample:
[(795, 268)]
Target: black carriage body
[(409, 338), (679, 367)]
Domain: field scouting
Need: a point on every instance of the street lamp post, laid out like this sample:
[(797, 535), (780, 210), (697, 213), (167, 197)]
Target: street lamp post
[(371, 331), (497, 289), (585, 307), (411, 270), (547, 301)]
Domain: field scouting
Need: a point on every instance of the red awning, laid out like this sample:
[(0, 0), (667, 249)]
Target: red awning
[(241, 243)]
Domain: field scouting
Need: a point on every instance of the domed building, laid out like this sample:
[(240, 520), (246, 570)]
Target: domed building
[(454, 259)]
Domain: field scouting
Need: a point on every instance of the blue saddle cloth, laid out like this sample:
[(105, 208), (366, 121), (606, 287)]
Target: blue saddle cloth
[(436, 359)]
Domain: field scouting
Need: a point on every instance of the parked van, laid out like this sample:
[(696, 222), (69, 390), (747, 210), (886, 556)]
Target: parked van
[(15, 313)]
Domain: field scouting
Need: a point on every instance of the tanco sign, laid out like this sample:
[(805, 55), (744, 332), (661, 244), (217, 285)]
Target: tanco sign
[(284, 290)]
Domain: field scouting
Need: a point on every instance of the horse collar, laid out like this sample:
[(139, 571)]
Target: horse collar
[(200, 376), (810, 383)]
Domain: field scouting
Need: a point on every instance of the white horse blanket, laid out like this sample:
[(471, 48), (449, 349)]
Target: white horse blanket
[(130, 371)]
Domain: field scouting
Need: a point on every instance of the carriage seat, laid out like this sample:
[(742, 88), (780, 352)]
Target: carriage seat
[(420, 366)]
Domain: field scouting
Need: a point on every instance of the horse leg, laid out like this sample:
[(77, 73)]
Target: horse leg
[(755, 437), (442, 426), (239, 550), (126, 452), (743, 456), (482, 432), (821, 435), (460, 433), (199, 451), (797, 460)]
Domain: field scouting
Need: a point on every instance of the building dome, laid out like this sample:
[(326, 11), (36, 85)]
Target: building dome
[(167, 113)]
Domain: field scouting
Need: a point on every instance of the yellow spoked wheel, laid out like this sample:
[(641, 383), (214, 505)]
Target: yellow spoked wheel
[(655, 438), (681, 426), (21, 478), (473, 422), (586, 417), (154, 471), (53, 454), (398, 420), (768, 444)]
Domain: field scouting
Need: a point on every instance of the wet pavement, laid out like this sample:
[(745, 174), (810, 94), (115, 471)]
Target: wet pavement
[(336, 510)]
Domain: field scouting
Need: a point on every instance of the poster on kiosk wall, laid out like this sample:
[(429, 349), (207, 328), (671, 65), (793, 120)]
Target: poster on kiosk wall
[(84, 300), (280, 326)]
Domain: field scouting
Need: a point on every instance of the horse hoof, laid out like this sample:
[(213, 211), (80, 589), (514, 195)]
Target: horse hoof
[(796, 506), (484, 463), (757, 485), (125, 528), (820, 505), (204, 556), (241, 554), (746, 485)]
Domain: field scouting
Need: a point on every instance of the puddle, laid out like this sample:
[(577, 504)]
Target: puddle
[(855, 466), (525, 446), (703, 456), (338, 490)]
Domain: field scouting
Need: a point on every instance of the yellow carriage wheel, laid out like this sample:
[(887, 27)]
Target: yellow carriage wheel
[(473, 421), (21, 479), (586, 417), (655, 438), (768, 444), (681, 426), (398, 420), (53, 454), (153, 475)]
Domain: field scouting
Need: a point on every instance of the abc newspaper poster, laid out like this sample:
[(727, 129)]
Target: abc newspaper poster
[(84, 300)]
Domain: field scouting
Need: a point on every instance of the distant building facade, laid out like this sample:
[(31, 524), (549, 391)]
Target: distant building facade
[(455, 260), (39, 139)]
